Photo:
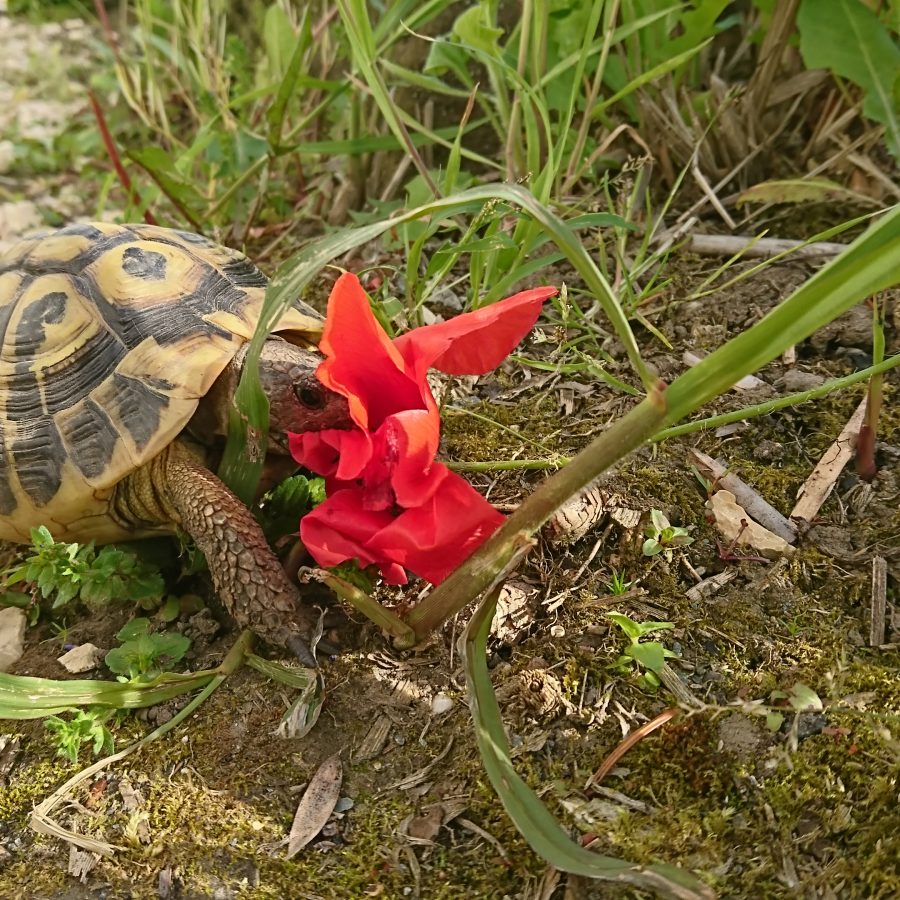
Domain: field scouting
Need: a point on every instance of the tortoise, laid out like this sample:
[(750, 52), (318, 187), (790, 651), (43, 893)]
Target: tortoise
[(120, 350)]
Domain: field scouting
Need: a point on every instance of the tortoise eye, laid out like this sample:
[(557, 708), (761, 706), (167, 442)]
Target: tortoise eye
[(310, 397)]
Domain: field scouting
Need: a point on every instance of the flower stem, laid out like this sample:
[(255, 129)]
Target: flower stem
[(372, 609), (502, 552)]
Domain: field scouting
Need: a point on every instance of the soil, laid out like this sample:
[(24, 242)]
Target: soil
[(806, 808)]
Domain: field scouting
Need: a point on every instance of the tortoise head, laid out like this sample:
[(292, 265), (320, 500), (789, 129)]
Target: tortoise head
[(298, 401)]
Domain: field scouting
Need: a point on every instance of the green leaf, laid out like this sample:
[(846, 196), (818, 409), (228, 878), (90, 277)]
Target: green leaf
[(134, 629), (628, 625), (847, 38), (177, 187), (774, 721), (276, 113), (474, 28), (649, 654), (798, 190), (803, 698)]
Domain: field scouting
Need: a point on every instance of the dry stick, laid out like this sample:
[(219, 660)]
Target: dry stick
[(113, 152), (819, 485), (879, 601), (625, 745), (750, 499), (732, 244), (711, 195), (503, 550)]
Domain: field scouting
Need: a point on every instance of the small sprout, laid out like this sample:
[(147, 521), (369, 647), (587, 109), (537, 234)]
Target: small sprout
[(618, 584), (663, 537), (144, 654), (67, 572), (650, 656), (85, 726)]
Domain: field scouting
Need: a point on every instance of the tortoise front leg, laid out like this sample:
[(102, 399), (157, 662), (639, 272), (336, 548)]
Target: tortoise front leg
[(246, 573)]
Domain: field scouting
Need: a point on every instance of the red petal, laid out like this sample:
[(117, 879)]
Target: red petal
[(343, 454), (361, 362), (433, 539), (337, 530), (475, 342), (408, 442)]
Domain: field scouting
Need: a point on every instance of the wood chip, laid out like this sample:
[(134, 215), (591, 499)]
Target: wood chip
[(879, 601), (424, 829), (750, 499), (375, 739), (316, 805), (711, 585), (821, 482), (81, 863)]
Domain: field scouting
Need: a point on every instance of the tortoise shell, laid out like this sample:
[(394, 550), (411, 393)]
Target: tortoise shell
[(110, 335)]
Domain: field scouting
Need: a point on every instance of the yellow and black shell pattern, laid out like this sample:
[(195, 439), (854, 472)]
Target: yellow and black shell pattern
[(109, 337)]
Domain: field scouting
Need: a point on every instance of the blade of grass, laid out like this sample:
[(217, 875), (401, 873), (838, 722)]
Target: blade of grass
[(355, 17)]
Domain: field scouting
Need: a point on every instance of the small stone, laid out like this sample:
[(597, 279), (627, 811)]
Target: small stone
[(12, 636), (557, 631), (82, 658), (441, 703)]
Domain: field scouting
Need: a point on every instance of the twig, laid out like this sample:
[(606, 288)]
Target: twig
[(879, 601), (624, 746), (711, 195), (750, 499), (116, 160), (732, 244)]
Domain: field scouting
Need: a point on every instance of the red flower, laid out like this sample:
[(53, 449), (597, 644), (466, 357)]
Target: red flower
[(389, 502)]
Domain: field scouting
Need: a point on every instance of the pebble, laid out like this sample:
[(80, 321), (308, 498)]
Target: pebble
[(441, 703)]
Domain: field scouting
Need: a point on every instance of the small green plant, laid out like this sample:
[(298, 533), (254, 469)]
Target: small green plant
[(663, 537), (144, 654), (281, 508), (618, 584), (96, 577), (650, 656), (85, 726)]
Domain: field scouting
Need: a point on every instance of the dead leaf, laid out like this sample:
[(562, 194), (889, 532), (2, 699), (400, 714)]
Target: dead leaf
[(316, 805), (427, 826), (737, 527)]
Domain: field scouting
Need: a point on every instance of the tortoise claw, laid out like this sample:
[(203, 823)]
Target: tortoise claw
[(299, 646), (328, 648)]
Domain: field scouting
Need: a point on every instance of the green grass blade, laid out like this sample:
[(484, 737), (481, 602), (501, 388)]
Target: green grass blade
[(533, 820), (355, 17), (868, 265), (26, 697), (278, 109)]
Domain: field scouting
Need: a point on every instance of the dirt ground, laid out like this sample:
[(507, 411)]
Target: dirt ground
[(808, 810)]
